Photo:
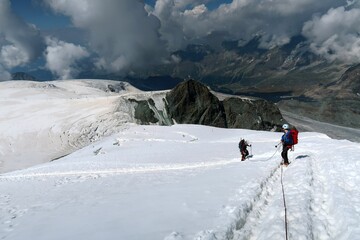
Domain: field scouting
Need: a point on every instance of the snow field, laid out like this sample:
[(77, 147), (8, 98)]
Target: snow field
[(150, 182), (41, 121), (186, 182)]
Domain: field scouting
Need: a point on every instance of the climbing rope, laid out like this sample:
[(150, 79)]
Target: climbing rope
[(267, 158), (274, 152), (283, 193)]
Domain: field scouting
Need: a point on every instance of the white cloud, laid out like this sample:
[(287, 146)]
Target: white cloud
[(336, 34), (11, 56), (4, 75), (62, 58), (127, 35), (20, 42), (196, 11), (122, 33), (116, 65), (276, 21), (183, 4), (171, 27)]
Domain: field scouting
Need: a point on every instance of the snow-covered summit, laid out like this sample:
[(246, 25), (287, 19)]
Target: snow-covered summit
[(41, 121)]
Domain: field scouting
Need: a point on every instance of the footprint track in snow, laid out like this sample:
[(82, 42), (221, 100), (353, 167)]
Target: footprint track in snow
[(269, 192), (8, 215)]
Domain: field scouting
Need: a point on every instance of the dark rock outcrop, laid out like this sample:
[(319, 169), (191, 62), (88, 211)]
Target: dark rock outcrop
[(143, 112), (192, 103), (22, 76), (251, 114)]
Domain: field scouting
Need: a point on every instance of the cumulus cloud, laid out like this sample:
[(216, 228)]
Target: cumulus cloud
[(13, 56), (19, 41), (62, 58), (122, 33), (184, 4), (275, 21), (128, 34), (171, 27), (336, 34)]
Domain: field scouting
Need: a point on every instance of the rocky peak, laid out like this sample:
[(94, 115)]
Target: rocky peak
[(192, 102)]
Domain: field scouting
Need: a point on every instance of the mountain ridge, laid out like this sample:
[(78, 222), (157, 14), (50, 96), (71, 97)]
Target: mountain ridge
[(280, 74)]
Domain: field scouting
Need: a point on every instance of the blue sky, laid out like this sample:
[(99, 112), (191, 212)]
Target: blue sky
[(36, 13), (118, 36)]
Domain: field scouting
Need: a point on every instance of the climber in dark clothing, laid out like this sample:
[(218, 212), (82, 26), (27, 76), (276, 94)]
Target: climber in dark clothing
[(287, 142), (242, 146)]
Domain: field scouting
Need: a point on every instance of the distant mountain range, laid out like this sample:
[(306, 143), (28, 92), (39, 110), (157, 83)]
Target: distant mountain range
[(291, 75), (22, 76), (250, 69)]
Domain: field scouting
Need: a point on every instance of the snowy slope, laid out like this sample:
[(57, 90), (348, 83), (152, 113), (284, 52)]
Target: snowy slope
[(41, 121), (150, 182), (187, 182)]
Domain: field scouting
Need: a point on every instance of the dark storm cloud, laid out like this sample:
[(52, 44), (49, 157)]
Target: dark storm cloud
[(122, 33), (126, 35), (19, 41), (276, 21)]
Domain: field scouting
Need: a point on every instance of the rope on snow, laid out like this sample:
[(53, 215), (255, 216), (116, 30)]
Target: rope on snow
[(267, 158), (283, 193)]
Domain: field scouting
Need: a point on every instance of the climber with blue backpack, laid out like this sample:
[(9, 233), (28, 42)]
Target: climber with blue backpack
[(288, 140)]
